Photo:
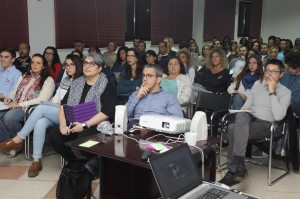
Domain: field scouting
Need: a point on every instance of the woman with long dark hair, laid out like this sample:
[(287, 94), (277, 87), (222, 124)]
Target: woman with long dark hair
[(53, 61), (131, 75), (44, 115), (35, 86), (251, 74)]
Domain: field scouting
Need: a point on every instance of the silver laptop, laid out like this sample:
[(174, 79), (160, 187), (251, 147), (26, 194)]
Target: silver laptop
[(177, 176)]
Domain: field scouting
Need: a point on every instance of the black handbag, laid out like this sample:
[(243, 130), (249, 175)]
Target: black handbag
[(74, 181)]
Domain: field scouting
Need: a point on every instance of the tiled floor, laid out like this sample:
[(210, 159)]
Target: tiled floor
[(14, 183)]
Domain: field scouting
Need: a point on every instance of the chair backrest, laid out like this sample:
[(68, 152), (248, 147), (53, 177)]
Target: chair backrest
[(212, 101)]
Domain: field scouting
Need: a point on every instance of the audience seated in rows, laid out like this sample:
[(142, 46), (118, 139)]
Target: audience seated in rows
[(44, 116), (118, 66), (22, 63), (53, 61), (177, 82), (267, 102), (163, 55), (35, 86), (214, 77), (194, 50), (110, 56), (131, 75), (151, 57), (291, 79), (94, 49), (264, 50), (251, 75), (150, 98), (92, 86), (233, 51), (203, 56), (142, 52), (236, 65), (79, 45), (185, 57), (9, 74)]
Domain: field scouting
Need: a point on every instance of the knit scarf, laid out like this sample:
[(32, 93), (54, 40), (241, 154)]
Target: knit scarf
[(32, 92), (248, 81), (94, 94)]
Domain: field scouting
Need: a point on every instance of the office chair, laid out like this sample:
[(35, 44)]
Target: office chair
[(215, 106)]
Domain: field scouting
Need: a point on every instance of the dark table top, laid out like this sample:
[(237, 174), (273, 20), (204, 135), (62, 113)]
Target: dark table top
[(125, 147)]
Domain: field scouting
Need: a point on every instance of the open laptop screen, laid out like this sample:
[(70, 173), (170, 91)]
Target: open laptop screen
[(175, 172)]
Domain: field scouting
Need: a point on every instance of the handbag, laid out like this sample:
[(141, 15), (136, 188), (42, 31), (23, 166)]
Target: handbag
[(74, 181)]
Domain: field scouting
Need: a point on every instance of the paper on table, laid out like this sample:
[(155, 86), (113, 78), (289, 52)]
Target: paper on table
[(236, 111), (89, 143), (3, 106), (158, 146)]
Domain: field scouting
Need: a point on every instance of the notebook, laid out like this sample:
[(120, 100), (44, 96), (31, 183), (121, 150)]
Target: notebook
[(178, 177)]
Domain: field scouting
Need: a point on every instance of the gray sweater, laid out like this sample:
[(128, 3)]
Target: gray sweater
[(268, 107)]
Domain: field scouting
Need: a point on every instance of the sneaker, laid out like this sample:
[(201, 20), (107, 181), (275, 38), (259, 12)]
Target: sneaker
[(241, 172), (93, 166), (229, 179), (258, 154)]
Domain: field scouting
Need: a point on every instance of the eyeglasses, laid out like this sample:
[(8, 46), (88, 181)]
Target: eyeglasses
[(271, 71), (71, 65), (91, 64), (48, 53), (131, 56), (148, 76)]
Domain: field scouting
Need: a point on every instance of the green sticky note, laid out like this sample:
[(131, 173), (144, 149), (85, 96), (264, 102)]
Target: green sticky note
[(89, 143), (158, 146)]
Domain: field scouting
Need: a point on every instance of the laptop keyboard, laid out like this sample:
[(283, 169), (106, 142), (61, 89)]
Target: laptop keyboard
[(213, 193)]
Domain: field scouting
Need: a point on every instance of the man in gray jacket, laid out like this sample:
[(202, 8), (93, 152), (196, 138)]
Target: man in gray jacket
[(268, 102)]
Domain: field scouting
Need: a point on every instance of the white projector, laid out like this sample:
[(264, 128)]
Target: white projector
[(165, 124)]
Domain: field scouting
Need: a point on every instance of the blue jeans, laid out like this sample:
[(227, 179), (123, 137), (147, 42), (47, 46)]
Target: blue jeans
[(40, 119), (10, 123), (237, 102)]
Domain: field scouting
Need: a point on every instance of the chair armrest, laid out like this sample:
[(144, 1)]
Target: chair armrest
[(28, 110), (218, 113)]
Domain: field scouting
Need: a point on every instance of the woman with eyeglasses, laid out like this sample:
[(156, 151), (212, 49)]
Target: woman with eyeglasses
[(92, 86), (131, 75), (53, 61), (176, 81), (251, 75), (35, 86), (44, 115)]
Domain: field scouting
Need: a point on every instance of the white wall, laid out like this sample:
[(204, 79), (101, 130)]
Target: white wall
[(41, 24), (198, 21), (280, 18)]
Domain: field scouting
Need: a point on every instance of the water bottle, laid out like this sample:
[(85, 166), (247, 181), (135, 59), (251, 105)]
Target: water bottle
[(106, 128)]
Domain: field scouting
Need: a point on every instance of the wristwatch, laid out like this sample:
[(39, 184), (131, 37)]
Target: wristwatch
[(84, 126)]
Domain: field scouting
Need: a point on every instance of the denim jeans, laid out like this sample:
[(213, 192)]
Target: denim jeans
[(10, 123), (237, 102), (40, 119)]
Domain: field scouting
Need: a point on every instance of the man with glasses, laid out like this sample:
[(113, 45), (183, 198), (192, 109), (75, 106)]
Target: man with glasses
[(267, 102), (291, 79), (150, 98)]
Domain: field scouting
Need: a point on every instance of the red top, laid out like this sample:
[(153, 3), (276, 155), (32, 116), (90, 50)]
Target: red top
[(55, 73)]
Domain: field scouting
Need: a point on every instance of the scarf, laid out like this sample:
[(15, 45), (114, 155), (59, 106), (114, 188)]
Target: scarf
[(32, 92), (248, 81), (94, 94)]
